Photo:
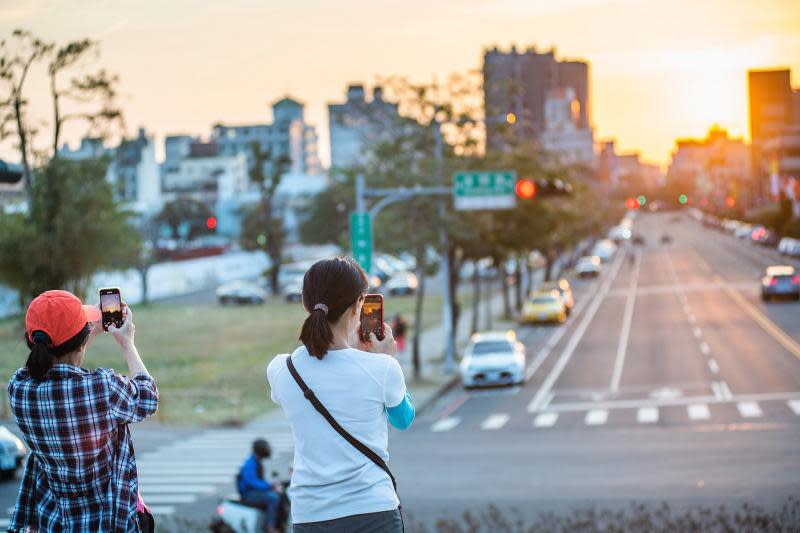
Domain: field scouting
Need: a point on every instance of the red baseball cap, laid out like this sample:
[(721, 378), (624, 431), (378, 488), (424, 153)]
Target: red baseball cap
[(60, 314)]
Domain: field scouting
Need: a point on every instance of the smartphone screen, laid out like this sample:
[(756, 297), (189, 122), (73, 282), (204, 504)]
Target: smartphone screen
[(372, 317), (111, 307)]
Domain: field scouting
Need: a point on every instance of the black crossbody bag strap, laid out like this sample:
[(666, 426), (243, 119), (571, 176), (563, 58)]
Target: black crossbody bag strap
[(357, 444)]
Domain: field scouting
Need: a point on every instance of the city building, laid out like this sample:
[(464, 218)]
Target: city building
[(608, 164), (207, 174), (357, 123), (516, 85), (288, 135), (771, 113), (636, 175), (89, 148), (563, 135), (715, 168), (176, 147)]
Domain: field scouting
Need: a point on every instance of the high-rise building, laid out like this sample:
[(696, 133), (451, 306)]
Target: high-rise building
[(770, 114), (357, 123), (516, 86), (288, 135), (563, 135)]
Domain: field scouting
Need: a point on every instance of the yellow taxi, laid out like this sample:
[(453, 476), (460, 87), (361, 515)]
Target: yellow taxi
[(544, 306)]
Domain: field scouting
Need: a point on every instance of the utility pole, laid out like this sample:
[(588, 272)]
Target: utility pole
[(447, 311)]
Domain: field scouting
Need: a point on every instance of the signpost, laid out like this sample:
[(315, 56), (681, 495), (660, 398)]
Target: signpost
[(361, 239), (484, 190)]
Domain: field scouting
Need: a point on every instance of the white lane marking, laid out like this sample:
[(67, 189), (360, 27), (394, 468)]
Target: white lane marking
[(794, 405), (647, 415), (726, 391), (715, 390), (186, 468), (680, 401), (749, 409), (704, 348), (692, 319), (545, 420), (445, 424), (698, 411), (555, 373), (697, 332), (162, 510), (596, 417), (624, 335), (157, 479), (176, 489), (157, 499), (713, 366), (495, 422)]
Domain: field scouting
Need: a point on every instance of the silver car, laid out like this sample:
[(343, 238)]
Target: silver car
[(12, 453), (493, 358)]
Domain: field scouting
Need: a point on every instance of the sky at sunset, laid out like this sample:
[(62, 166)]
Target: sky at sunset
[(659, 69)]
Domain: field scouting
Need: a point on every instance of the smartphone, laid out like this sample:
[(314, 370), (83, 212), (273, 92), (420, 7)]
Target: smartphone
[(111, 307), (372, 317)]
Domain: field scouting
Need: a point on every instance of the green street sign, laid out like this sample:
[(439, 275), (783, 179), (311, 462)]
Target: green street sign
[(484, 190), (361, 239)]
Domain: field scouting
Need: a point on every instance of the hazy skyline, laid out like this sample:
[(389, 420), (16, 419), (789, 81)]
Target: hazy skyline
[(659, 70)]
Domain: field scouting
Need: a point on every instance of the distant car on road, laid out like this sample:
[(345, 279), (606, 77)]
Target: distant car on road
[(493, 358), (780, 280), (401, 283), (588, 266), (544, 306), (619, 234), (293, 290), (12, 453), (604, 249), (764, 237), (241, 292), (743, 231), (564, 291), (789, 246), (666, 238), (638, 240)]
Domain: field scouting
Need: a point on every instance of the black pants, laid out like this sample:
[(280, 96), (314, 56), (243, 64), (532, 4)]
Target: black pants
[(381, 522)]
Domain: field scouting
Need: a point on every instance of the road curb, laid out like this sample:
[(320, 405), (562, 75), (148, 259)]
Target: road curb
[(433, 398)]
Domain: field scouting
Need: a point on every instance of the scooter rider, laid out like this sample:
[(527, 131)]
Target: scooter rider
[(255, 490)]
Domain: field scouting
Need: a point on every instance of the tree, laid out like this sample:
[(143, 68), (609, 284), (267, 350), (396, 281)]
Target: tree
[(184, 210), (75, 230), (267, 171)]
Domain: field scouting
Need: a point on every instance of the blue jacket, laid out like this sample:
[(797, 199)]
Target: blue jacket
[(251, 476)]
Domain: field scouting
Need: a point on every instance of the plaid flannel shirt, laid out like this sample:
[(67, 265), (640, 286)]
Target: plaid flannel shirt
[(81, 474)]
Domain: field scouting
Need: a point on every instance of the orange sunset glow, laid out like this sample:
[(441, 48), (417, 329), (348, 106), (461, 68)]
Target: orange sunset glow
[(659, 70)]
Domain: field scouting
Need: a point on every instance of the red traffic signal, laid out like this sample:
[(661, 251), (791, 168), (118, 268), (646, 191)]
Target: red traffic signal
[(632, 203), (730, 201), (525, 189), (211, 222)]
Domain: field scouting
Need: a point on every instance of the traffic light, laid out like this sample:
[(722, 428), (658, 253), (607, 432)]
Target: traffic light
[(553, 187), (211, 223), (8, 173), (525, 189), (633, 203), (642, 199), (730, 201), (683, 199)]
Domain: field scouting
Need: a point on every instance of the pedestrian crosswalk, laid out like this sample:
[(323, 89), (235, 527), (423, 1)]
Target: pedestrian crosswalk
[(201, 466), (722, 412)]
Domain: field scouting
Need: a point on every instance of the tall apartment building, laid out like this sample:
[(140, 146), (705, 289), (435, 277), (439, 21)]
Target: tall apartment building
[(516, 85), (288, 135), (563, 135), (357, 123)]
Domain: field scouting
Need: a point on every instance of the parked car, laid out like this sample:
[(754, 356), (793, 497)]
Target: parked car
[(743, 231), (564, 291), (493, 358), (638, 240), (789, 246), (401, 283), (666, 238), (293, 290), (764, 236), (780, 280), (544, 306), (588, 266), (619, 233), (12, 453), (241, 292)]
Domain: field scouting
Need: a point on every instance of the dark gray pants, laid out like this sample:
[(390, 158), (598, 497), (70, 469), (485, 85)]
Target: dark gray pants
[(382, 522)]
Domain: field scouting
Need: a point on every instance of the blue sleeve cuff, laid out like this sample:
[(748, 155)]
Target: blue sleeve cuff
[(400, 416)]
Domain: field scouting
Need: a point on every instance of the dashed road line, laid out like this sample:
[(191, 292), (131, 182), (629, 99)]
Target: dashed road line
[(713, 366), (705, 349), (647, 415), (445, 424), (749, 409), (545, 420), (495, 422), (697, 332), (596, 417), (698, 412), (794, 405), (692, 319)]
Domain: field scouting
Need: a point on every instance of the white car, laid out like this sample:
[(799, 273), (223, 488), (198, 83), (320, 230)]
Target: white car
[(604, 249), (12, 453), (493, 358), (619, 233), (743, 231), (241, 292), (401, 283), (588, 266)]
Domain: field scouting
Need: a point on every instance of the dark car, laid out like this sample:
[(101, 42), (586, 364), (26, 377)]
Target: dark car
[(780, 281), (638, 240), (666, 238)]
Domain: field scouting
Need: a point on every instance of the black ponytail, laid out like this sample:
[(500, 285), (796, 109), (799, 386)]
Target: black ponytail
[(330, 287), (40, 360)]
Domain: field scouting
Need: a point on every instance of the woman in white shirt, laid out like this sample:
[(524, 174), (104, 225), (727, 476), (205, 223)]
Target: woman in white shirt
[(334, 486)]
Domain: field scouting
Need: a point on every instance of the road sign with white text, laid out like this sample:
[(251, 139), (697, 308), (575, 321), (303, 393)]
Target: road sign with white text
[(361, 239), (484, 190)]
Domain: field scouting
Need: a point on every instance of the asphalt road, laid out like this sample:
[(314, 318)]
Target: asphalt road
[(671, 382)]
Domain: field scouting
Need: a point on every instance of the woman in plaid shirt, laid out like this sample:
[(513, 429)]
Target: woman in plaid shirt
[(81, 474)]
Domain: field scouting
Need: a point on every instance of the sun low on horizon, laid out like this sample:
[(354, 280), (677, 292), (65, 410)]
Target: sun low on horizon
[(658, 70)]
